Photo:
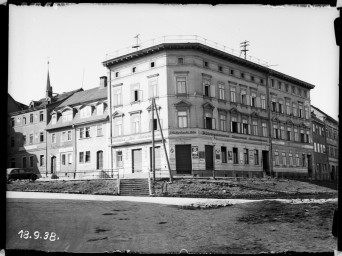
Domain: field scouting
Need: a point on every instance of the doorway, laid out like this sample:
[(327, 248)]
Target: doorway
[(265, 162), (136, 160), (183, 159), (209, 157), (53, 164), (99, 160)]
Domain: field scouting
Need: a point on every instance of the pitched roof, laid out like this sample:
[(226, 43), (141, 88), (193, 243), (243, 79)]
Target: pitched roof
[(93, 94), (327, 116)]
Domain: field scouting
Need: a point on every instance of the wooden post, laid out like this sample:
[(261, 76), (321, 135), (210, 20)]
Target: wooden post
[(161, 133)]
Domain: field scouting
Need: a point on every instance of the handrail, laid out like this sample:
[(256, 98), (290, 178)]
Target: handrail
[(182, 39)]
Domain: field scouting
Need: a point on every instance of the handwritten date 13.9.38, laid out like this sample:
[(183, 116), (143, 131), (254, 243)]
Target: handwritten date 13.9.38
[(51, 236)]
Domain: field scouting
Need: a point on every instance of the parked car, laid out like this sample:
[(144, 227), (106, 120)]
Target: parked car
[(21, 174)]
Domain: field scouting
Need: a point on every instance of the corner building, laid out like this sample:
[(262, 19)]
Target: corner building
[(215, 111)]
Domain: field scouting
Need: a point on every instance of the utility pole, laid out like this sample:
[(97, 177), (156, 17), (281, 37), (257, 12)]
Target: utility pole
[(244, 47), (153, 152), (161, 133)]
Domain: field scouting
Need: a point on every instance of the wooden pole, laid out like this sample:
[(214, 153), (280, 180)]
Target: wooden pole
[(161, 133), (153, 155)]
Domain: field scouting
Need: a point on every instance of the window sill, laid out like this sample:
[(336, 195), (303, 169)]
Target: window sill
[(135, 102), (84, 138), (181, 94)]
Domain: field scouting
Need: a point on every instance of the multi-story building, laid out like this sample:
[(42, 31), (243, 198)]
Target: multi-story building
[(221, 115), (321, 163), (331, 132), (77, 134), (27, 135)]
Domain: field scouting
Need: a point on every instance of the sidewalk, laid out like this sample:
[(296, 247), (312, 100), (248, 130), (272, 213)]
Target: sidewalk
[(159, 200)]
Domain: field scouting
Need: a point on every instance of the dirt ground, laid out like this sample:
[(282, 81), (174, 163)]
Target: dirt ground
[(207, 188), (94, 226)]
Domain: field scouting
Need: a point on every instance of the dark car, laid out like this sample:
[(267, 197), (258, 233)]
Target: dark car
[(21, 174)]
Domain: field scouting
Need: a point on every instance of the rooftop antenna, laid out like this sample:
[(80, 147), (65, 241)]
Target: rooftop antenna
[(244, 47), (137, 44)]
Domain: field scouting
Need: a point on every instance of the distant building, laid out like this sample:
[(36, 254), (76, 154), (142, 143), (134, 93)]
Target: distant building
[(220, 114), (331, 133), (27, 135), (77, 136)]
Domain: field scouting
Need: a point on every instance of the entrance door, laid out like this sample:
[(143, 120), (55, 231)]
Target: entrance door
[(156, 157), (136, 160), (53, 164), (309, 165), (99, 160), (265, 164), (183, 159), (209, 157)]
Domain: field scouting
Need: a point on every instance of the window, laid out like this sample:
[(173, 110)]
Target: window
[(12, 162), (274, 105), (223, 122), (99, 109), (245, 127), (221, 92), (152, 64), (306, 110), (81, 157), (54, 119), (24, 120), (253, 99), (300, 107), (291, 159), (119, 159), (117, 126), (295, 134), (69, 158), (284, 158), (31, 138), (299, 92), (31, 161), (288, 108), (256, 157), (117, 96), (263, 101), (272, 83), (85, 112), (53, 138), (232, 71), (303, 160), (245, 153), (297, 160), (84, 157), (134, 69), (294, 109), (41, 116), (206, 64), (64, 136), (293, 90), (87, 157), (135, 123), (255, 128), (276, 158), (261, 81), (31, 118), (282, 132), (315, 147), (307, 137), (42, 160), (206, 89), (242, 75), (286, 87), (220, 68), (24, 139), (264, 129), (99, 131), (116, 74), (288, 134), (232, 94), (243, 97), (280, 106), (234, 125), (224, 154), (85, 132), (153, 88), (181, 84), (67, 116), (302, 137), (305, 93), (63, 159), (279, 85), (209, 121), (235, 156), (41, 136), (136, 94), (275, 131), (12, 142), (180, 60), (24, 162), (252, 78)]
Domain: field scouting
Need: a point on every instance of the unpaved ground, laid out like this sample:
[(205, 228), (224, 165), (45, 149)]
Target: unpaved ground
[(95, 226), (207, 188)]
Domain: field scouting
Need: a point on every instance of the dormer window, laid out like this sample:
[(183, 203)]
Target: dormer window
[(67, 116), (54, 119), (86, 112), (99, 109)]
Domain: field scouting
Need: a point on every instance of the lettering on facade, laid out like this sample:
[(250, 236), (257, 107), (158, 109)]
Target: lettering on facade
[(215, 134), (180, 132)]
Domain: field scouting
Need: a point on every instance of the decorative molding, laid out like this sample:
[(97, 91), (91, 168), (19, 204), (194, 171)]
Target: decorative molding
[(182, 103), (150, 76), (181, 72), (135, 112), (116, 85), (208, 105)]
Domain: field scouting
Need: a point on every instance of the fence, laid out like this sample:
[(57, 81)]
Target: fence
[(85, 174)]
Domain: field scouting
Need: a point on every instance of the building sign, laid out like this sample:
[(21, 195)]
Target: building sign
[(182, 132), (217, 155), (194, 152), (61, 150), (201, 156), (172, 152), (230, 157), (135, 138)]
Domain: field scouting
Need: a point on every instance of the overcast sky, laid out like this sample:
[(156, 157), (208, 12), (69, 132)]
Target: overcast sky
[(298, 41)]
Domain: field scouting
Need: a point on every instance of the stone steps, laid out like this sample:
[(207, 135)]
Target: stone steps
[(134, 187)]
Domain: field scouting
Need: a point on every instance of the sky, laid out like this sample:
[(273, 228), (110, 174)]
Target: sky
[(297, 41)]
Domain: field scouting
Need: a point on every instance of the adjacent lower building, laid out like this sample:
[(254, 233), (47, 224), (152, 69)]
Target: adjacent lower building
[(221, 115)]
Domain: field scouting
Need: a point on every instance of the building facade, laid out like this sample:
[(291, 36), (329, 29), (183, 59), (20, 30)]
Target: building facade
[(27, 135), (220, 115), (77, 136)]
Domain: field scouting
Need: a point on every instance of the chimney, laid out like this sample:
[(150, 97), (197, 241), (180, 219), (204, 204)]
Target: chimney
[(103, 81)]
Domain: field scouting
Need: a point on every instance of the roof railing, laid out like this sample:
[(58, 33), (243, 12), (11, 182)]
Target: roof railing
[(182, 39)]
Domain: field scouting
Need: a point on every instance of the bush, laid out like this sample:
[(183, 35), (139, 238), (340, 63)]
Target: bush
[(54, 176)]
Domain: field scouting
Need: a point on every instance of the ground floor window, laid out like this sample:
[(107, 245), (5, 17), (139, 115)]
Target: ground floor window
[(118, 158), (84, 157), (24, 162), (235, 156), (245, 152), (284, 158), (42, 160), (256, 157), (224, 154), (31, 161)]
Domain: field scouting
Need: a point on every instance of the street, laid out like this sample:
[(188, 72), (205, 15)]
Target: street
[(98, 226)]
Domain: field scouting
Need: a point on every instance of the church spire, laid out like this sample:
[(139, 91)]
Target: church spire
[(48, 86)]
